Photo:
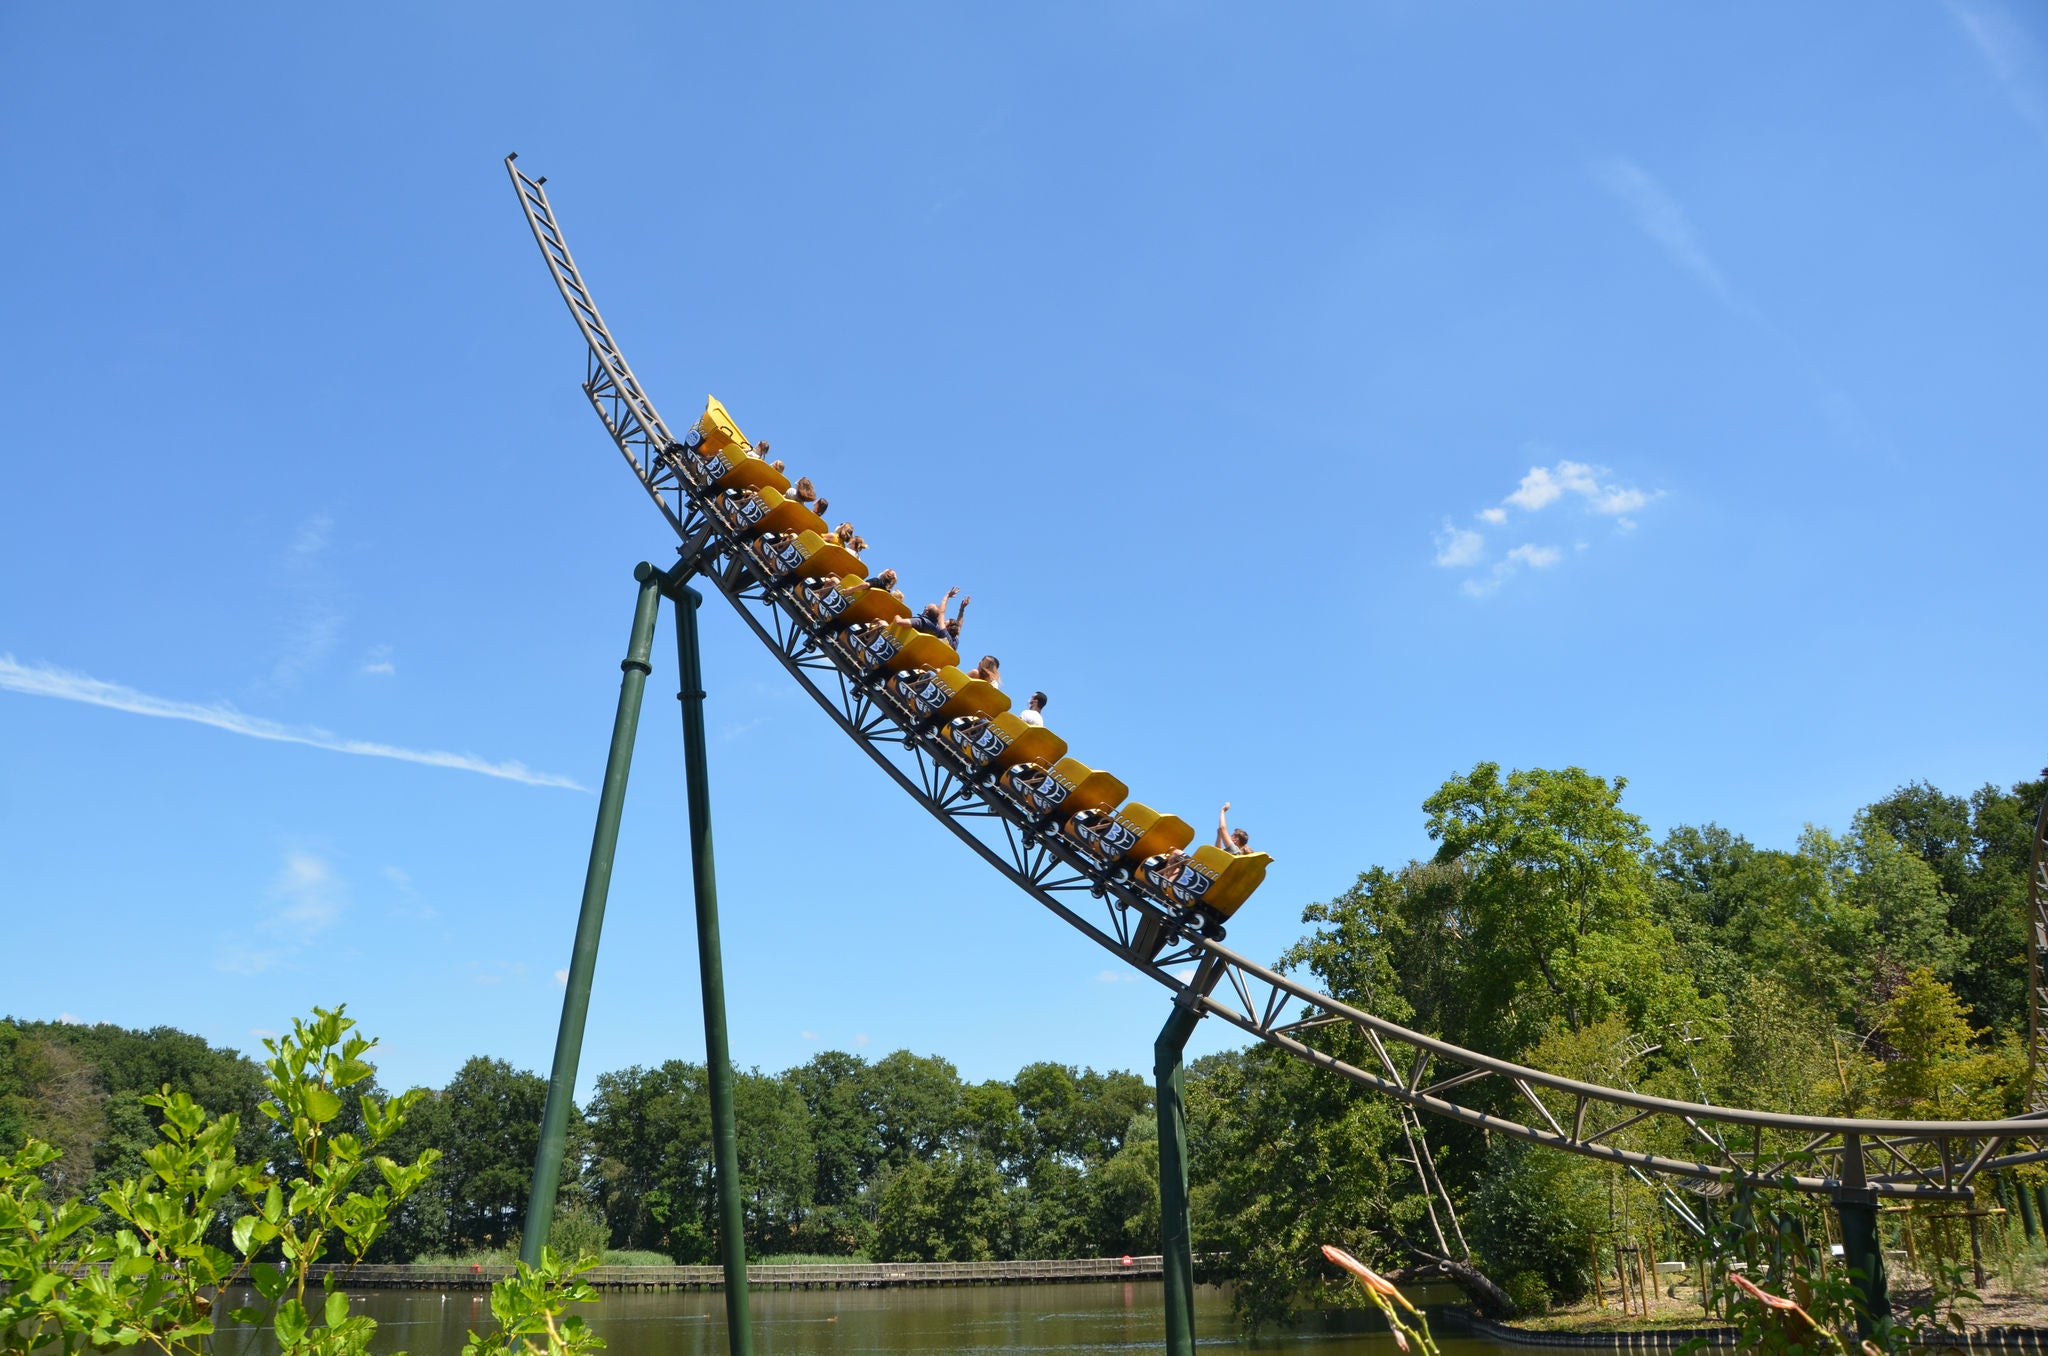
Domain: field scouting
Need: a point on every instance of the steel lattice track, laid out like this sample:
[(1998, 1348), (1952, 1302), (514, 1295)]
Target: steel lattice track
[(1708, 1148)]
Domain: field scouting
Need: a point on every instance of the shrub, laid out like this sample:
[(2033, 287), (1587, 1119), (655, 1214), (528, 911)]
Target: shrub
[(1530, 1293)]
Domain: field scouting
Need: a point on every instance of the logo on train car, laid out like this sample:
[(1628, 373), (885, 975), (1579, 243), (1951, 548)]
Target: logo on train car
[(1105, 838), (831, 602), (979, 740), (747, 509), (924, 692), (878, 647), (1041, 792), (1189, 884)]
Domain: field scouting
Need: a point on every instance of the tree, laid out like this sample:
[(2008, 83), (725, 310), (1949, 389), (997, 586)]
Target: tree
[(493, 1126), (775, 1159), (651, 1135), (915, 1101), (1288, 1158), (1554, 917), (948, 1208)]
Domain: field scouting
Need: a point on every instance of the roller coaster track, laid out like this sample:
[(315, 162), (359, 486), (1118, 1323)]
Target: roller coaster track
[(1708, 1147)]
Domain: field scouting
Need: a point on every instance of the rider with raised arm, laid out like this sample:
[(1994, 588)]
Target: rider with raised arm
[(1236, 842)]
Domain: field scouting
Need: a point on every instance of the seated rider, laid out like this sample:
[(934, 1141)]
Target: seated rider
[(1033, 712), (886, 581), (990, 671), (932, 620), (1236, 842)]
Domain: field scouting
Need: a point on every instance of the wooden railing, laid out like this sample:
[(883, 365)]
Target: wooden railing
[(779, 1275)]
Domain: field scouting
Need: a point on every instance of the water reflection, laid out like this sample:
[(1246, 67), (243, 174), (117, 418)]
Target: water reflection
[(1060, 1320)]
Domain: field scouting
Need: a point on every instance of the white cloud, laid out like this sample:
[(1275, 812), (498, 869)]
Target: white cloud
[(312, 537), (495, 972), (1618, 501), (44, 681), (860, 1038), (810, 1035), (244, 960), (70, 1019), (263, 1033), (1116, 977), (1538, 489), (2014, 60), (306, 898), (1494, 515), (562, 978), (1456, 546), (379, 662), (309, 897), (1528, 554), (1662, 219)]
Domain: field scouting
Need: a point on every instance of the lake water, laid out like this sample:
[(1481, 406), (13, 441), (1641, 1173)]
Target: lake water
[(1054, 1320)]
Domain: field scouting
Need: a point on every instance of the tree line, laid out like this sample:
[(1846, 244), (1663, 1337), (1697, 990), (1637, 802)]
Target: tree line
[(897, 1158), (1879, 970)]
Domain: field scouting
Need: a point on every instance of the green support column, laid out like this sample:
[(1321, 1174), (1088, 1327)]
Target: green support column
[(597, 882), (732, 1238), (1176, 1246), (1862, 1246)]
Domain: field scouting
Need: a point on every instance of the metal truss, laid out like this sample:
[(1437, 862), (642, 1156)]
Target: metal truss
[(1705, 1149)]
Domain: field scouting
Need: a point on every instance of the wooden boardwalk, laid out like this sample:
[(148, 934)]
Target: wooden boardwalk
[(770, 1276)]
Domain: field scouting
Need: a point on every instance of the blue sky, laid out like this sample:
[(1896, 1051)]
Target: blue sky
[(1314, 405)]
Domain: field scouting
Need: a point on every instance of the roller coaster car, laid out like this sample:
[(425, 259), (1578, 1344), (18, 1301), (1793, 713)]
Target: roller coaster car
[(1209, 880), (717, 454), (752, 512), (804, 555), (1001, 741), (730, 470), (943, 693), (831, 604), (1131, 834), (897, 645), (715, 431), (1066, 788)]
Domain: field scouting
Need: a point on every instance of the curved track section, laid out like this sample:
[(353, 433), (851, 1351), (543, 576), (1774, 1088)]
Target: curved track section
[(1691, 1142)]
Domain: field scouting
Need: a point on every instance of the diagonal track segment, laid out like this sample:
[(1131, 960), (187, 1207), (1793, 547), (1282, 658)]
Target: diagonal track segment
[(1689, 1142)]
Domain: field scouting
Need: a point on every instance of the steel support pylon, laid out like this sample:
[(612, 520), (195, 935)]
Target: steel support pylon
[(1176, 1241), (732, 1238), (1862, 1246), (597, 883)]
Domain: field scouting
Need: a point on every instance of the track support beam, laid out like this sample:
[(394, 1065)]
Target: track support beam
[(597, 884), (725, 1152), (1862, 1248), (1176, 1243)]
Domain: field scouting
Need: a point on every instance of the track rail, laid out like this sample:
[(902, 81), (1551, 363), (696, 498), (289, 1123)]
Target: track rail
[(1706, 1147)]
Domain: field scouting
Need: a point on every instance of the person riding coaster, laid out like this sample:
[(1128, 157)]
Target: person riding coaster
[(780, 531)]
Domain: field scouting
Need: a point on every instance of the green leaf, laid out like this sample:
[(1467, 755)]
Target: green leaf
[(268, 1278), (337, 1309), (291, 1323), (322, 1106), (246, 1315), (244, 1233)]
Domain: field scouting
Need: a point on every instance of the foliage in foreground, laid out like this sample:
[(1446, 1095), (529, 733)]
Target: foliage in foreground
[(147, 1262)]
